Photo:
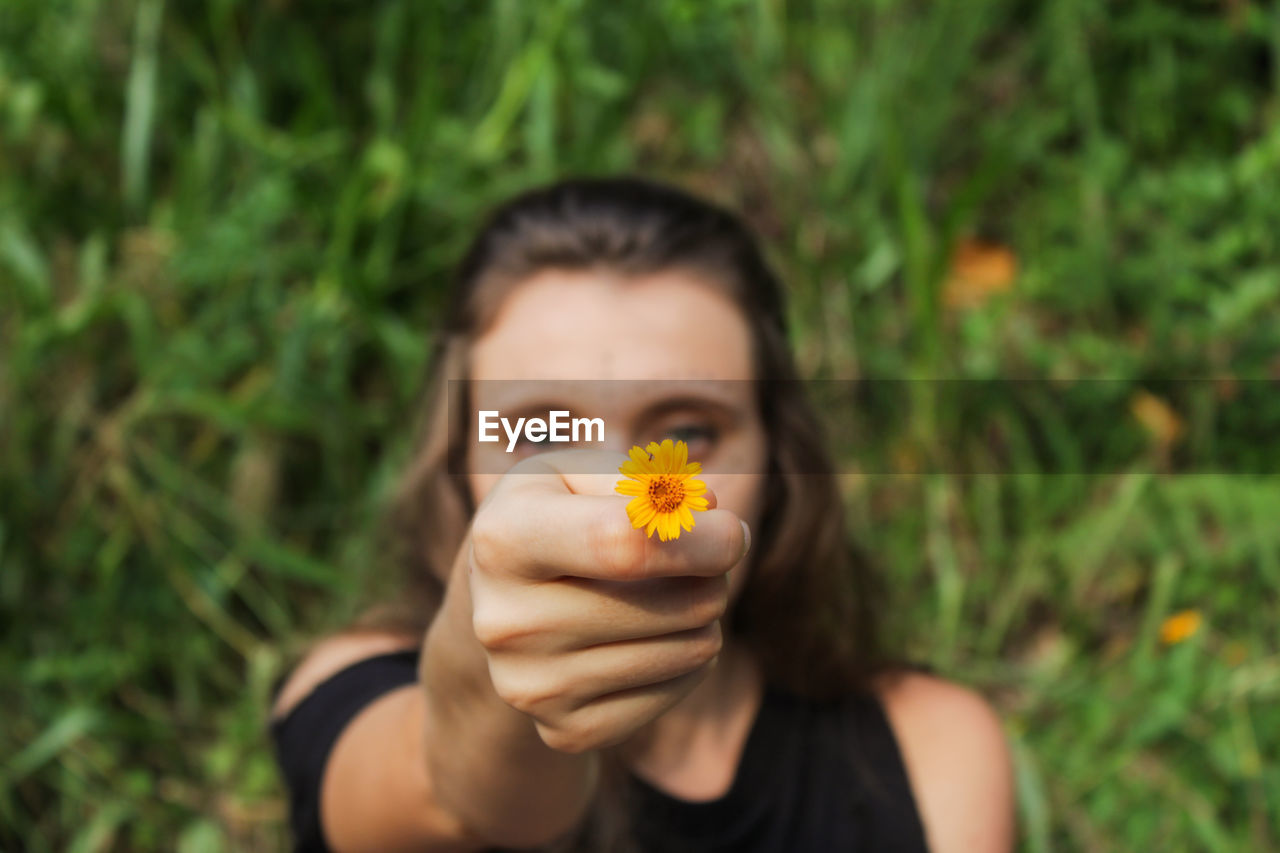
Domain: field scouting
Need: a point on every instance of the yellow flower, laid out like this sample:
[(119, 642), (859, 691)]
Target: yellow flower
[(662, 491), (1180, 626)]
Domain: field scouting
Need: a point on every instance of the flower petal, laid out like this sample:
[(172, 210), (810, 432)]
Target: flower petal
[(636, 470), (661, 459), (630, 488), (637, 505)]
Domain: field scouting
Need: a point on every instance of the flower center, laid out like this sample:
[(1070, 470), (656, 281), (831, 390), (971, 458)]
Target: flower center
[(666, 493)]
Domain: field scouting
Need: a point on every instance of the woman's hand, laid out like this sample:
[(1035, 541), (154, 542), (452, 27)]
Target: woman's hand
[(591, 628)]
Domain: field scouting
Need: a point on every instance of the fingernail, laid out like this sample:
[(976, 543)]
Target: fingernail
[(746, 537)]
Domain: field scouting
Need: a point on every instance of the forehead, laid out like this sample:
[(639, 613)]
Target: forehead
[(571, 324)]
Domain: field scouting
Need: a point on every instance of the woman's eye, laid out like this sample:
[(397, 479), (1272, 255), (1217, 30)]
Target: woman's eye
[(699, 438)]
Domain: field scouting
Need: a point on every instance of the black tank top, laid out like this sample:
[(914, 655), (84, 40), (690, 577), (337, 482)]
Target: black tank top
[(813, 775)]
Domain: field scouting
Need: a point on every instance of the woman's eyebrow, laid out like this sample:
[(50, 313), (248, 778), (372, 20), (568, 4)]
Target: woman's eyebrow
[(537, 408), (668, 405), (644, 406)]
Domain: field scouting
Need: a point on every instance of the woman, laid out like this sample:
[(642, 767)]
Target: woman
[(556, 679)]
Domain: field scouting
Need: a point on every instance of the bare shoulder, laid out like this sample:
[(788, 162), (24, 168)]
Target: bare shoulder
[(331, 655), (958, 761)]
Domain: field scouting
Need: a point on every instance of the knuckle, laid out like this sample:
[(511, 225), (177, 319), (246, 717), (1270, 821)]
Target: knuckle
[(497, 633), (524, 702), (616, 548), (562, 740), (710, 606), (575, 736), (527, 698), (706, 644), (516, 698), (486, 537), (490, 633)]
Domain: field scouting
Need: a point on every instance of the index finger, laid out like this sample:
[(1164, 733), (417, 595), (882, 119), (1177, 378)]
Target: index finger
[(561, 533)]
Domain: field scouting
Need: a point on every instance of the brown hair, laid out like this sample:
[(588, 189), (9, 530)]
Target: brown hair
[(808, 607)]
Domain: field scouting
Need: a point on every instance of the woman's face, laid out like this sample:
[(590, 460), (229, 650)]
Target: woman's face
[(604, 333)]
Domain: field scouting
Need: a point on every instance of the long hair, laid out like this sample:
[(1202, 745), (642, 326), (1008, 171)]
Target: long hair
[(808, 608)]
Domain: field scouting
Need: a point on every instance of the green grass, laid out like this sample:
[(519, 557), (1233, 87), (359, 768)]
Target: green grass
[(225, 229)]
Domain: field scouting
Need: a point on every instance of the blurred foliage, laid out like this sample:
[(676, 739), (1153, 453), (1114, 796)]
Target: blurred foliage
[(225, 228)]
